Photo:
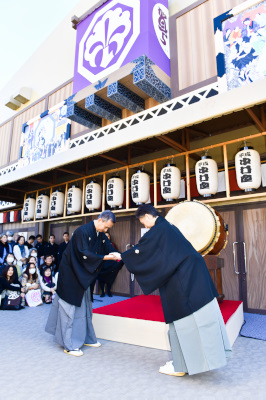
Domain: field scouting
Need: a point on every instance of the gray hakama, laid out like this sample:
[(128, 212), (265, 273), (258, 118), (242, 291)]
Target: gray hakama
[(71, 325), (199, 342)]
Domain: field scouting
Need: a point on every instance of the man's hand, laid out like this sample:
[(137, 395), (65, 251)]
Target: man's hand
[(116, 255)]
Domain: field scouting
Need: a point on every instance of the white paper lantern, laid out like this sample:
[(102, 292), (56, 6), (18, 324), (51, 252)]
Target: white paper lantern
[(28, 209), (57, 204), (42, 205), (170, 182), (140, 187), (74, 200), (248, 169), (93, 196), (206, 176), (115, 192)]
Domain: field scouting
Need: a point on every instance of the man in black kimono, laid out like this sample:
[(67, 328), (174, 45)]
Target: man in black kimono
[(164, 259), (70, 319)]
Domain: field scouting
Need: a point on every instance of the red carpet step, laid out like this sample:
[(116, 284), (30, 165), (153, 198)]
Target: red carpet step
[(149, 308)]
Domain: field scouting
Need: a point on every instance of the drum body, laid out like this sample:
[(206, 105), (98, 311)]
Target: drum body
[(201, 225)]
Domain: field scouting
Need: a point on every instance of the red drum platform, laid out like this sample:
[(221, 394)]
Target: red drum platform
[(140, 321)]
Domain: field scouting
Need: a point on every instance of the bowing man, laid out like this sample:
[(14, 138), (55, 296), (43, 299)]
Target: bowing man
[(70, 319), (164, 259)]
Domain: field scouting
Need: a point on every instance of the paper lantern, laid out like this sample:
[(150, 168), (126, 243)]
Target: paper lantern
[(28, 209), (115, 192), (140, 187), (248, 169), (93, 196), (206, 176), (42, 205), (170, 182), (57, 204), (74, 200)]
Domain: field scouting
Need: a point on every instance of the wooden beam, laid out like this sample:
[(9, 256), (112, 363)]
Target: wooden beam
[(255, 119), (263, 117), (68, 171), (14, 189), (5, 197), (187, 139), (113, 159), (87, 166), (38, 181), (172, 143), (197, 132)]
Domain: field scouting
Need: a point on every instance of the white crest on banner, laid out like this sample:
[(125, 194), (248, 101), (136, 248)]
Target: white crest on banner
[(109, 27), (160, 16)]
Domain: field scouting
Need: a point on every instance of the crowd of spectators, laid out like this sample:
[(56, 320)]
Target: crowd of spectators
[(28, 265)]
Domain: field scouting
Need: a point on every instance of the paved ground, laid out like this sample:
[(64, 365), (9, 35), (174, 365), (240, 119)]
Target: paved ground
[(33, 367)]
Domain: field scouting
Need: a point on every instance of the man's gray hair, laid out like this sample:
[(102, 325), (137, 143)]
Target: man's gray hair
[(107, 216)]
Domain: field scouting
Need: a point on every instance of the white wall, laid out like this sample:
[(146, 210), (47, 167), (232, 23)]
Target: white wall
[(53, 63)]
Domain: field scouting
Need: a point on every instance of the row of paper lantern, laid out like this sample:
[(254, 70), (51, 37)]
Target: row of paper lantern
[(140, 189), (248, 172)]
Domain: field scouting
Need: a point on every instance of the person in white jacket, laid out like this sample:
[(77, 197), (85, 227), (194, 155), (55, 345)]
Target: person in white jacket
[(48, 285), (21, 252)]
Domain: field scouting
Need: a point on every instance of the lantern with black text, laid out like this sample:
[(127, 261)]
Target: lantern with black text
[(206, 176), (57, 204), (170, 182), (248, 169), (140, 187), (115, 192), (42, 205), (93, 196), (28, 209), (74, 200)]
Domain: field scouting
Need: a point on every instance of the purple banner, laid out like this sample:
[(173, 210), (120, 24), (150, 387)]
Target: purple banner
[(117, 33)]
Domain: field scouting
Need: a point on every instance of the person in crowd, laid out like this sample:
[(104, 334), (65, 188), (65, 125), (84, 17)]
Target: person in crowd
[(40, 245), (30, 242), (164, 259), (11, 262), (48, 285), (63, 246), (4, 248), (52, 249), (48, 262), (11, 243), (9, 283), (70, 319), (21, 252), (33, 253), (109, 272), (15, 237), (30, 278)]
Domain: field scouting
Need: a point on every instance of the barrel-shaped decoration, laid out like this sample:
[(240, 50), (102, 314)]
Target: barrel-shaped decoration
[(57, 204), (115, 192), (206, 176), (170, 180), (42, 205), (74, 200), (93, 196), (28, 209), (140, 187), (248, 169)]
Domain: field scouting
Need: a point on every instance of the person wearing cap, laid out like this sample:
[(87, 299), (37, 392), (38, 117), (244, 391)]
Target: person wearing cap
[(11, 243)]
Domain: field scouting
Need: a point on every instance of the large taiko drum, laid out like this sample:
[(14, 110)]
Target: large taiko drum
[(201, 225)]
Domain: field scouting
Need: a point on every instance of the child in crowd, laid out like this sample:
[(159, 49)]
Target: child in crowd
[(48, 284)]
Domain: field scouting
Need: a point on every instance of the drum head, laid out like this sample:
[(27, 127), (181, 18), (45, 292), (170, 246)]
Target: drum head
[(196, 221)]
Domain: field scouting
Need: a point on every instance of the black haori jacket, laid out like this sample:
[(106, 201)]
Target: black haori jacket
[(81, 263), (164, 259)]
